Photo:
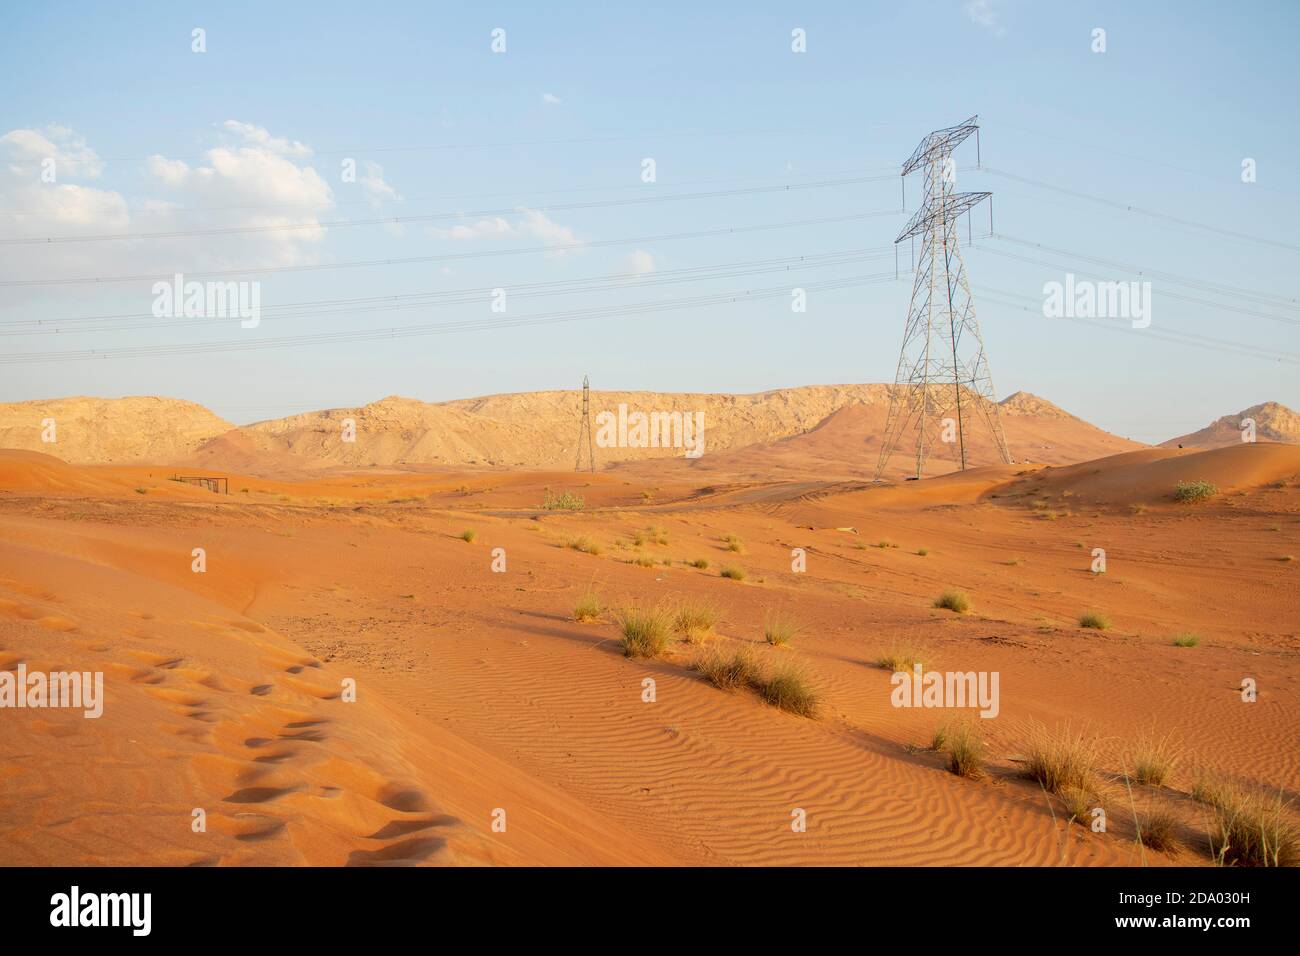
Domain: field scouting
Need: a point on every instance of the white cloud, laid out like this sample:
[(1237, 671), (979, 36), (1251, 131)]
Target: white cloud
[(29, 148), (550, 99), (258, 136), (985, 13), (530, 224), (640, 262), (261, 181), (372, 183)]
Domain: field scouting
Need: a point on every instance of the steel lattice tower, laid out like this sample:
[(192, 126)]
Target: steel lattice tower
[(584, 430), (943, 371)]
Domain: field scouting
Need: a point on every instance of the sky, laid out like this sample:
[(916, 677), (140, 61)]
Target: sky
[(365, 168)]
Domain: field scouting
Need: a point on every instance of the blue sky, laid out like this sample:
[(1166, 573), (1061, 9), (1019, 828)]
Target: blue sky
[(150, 137)]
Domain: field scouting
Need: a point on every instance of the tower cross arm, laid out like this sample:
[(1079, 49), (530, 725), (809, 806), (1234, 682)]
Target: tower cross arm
[(953, 206), (939, 144)]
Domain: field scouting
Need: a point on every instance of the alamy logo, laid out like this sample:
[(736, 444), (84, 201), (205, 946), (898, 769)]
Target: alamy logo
[(654, 430), (1083, 299), (208, 300), (946, 689), (103, 909), (76, 689)]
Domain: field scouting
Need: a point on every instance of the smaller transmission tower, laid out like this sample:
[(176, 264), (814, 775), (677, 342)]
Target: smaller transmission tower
[(584, 430)]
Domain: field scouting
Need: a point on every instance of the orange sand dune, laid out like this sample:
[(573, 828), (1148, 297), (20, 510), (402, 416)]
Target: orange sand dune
[(477, 690), (1152, 475)]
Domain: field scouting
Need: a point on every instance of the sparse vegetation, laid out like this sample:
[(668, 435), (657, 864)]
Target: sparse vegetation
[(1187, 639), (695, 621), (734, 543), (1252, 829), (645, 631), (589, 608), (939, 738), (657, 535), (645, 561), (884, 543), (779, 629), (566, 501), (142, 491), (1155, 759), (922, 552), (788, 688), (1158, 830), (900, 658), (468, 535), (1061, 758), (1095, 620), (953, 600), (733, 571), (585, 544), (729, 672), (1078, 802), (1189, 491), (700, 563), (964, 743)]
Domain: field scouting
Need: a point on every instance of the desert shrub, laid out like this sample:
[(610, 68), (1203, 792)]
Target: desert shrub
[(468, 535), (585, 544), (700, 563), (645, 632), (695, 620), (734, 543), (1095, 620), (566, 501), (779, 629), (788, 688), (964, 743), (1186, 640), (733, 571), (1158, 829), (900, 657), (1154, 759), (1188, 491), (953, 600), (1061, 758), (1078, 802), (589, 608), (1253, 829), (729, 671)]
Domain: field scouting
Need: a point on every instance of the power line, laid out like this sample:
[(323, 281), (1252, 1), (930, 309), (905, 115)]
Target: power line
[(362, 151), (442, 216), (1268, 298), (315, 309), (1190, 339), (409, 331), (1164, 292), (456, 197), (450, 257), (1218, 177), (1128, 207)]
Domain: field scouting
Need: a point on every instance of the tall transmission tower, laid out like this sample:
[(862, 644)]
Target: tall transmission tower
[(943, 383), (584, 430)]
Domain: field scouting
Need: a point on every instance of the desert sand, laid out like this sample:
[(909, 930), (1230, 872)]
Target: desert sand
[(477, 692)]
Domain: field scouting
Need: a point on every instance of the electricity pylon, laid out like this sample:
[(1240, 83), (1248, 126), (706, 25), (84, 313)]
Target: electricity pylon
[(943, 378), (584, 430)]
